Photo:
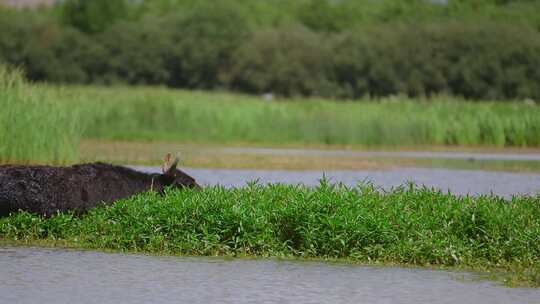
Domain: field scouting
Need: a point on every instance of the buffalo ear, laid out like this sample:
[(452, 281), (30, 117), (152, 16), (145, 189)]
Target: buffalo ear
[(169, 166)]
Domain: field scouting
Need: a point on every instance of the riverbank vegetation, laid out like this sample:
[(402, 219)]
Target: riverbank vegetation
[(171, 115), (339, 49), (407, 225), (46, 123), (34, 127)]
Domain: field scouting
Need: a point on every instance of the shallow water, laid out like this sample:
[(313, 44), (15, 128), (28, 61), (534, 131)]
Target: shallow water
[(507, 156), (38, 275), (457, 181)]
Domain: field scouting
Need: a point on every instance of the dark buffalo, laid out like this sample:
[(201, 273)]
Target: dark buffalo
[(47, 189)]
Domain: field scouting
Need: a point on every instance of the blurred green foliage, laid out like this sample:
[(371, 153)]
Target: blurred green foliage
[(490, 61), (93, 16), (34, 127), (289, 60), (203, 40), (341, 49), (160, 114)]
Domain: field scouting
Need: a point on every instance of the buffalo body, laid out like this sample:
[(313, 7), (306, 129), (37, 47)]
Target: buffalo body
[(47, 189)]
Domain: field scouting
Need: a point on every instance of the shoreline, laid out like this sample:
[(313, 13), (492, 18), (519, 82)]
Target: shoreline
[(404, 226), (507, 277)]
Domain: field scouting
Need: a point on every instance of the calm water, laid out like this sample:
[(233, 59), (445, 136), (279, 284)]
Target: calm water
[(37, 275), (457, 181), (388, 154)]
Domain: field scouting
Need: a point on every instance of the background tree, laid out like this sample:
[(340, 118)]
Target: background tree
[(93, 16)]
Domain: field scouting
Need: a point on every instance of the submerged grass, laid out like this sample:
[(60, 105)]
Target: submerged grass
[(33, 126), (407, 225)]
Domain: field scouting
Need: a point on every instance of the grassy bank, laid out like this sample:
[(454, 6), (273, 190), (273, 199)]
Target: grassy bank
[(43, 123), (33, 126), (173, 115), (407, 225)]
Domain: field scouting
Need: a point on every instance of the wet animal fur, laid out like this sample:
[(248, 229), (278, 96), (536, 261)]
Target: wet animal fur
[(46, 189)]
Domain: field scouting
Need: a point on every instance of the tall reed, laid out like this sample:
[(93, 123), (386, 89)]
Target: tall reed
[(44, 123), (405, 225), (33, 126), (162, 114)]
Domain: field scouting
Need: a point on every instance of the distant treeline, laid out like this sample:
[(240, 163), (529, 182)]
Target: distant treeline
[(341, 49)]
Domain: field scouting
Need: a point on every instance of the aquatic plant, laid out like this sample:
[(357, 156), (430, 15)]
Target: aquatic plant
[(33, 126), (162, 114), (44, 123), (407, 225)]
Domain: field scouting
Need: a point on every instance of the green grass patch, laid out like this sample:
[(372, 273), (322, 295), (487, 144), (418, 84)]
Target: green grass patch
[(173, 115), (44, 123), (407, 226)]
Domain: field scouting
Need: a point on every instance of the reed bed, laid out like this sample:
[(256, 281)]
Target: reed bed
[(172, 115), (45, 123), (407, 225), (33, 126)]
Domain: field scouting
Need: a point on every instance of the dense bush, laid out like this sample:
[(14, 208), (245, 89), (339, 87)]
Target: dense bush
[(93, 16), (46, 50), (324, 15), (327, 51), (204, 39), (64, 55), (476, 61), (288, 60), (134, 55)]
